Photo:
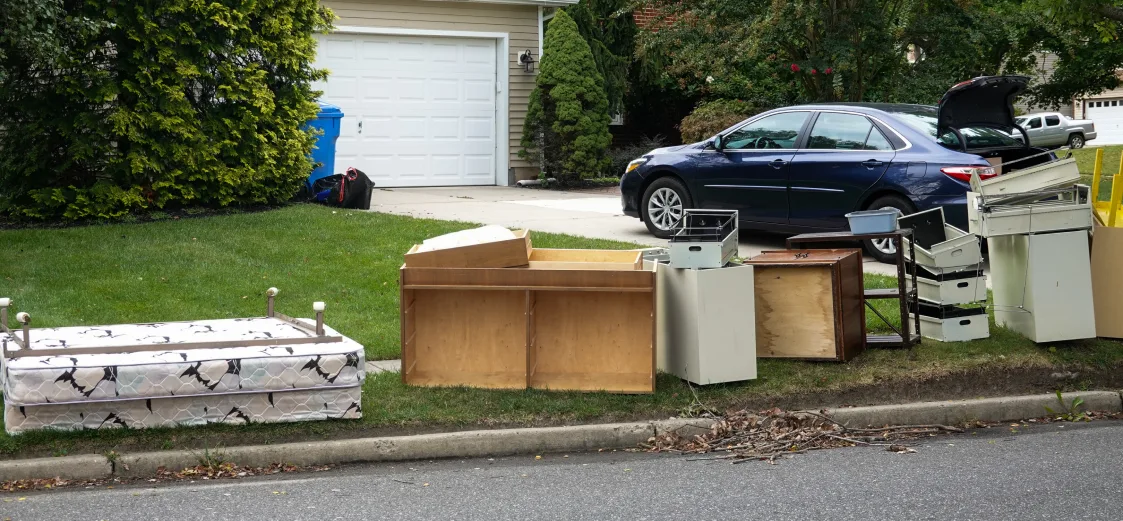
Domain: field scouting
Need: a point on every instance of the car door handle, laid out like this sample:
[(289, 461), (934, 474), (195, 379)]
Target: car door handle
[(871, 163), (777, 163)]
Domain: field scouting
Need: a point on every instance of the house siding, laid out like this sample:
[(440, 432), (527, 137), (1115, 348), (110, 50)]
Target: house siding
[(1045, 63), (520, 22), (1081, 104)]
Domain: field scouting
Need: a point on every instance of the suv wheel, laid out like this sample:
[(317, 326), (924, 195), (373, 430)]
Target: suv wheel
[(883, 249), (662, 206), (1076, 141)]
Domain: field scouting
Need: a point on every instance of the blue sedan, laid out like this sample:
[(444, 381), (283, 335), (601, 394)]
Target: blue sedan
[(802, 169)]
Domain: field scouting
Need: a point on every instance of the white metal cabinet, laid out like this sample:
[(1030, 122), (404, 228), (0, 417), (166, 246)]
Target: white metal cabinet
[(706, 323), (1043, 286)]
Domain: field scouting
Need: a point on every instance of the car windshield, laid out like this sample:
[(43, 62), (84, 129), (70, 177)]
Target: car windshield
[(924, 119)]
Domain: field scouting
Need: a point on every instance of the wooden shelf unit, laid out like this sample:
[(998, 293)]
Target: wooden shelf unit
[(541, 328)]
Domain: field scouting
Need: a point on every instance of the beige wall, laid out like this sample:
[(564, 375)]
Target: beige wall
[(519, 21)]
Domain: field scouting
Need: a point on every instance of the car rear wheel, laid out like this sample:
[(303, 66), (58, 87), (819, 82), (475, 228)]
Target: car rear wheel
[(883, 249), (1076, 141), (662, 206)]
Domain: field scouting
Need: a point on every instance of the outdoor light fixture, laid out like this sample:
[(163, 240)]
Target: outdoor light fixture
[(526, 59)]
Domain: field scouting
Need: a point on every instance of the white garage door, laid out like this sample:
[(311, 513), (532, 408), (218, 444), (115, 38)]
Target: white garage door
[(1108, 117), (418, 111)]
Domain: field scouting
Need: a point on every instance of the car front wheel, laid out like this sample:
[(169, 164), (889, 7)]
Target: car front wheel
[(662, 206), (883, 249), (1076, 141)]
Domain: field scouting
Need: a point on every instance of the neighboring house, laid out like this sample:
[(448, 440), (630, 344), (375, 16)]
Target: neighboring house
[(432, 91), (1106, 111)]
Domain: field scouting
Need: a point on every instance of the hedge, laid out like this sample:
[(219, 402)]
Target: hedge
[(160, 104)]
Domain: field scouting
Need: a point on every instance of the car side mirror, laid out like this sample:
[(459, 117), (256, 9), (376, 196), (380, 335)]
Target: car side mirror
[(718, 145)]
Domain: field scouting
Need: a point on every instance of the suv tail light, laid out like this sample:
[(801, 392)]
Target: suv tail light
[(963, 173)]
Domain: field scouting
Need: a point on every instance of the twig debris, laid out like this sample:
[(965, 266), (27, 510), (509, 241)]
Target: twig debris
[(775, 433)]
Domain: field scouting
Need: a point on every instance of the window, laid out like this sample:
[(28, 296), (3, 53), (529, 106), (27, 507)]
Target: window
[(877, 141), (834, 131), (923, 119), (775, 131), (1033, 123), (1114, 103), (1052, 121)]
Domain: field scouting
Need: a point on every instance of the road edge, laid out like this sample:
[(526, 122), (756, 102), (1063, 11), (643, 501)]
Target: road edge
[(507, 442)]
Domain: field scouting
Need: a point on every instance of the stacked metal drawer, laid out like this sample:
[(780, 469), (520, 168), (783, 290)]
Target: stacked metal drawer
[(1037, 222), (950, 282)]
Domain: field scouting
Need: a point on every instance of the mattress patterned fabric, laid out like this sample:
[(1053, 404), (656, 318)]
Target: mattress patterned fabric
[(284, 406), (85, 378)]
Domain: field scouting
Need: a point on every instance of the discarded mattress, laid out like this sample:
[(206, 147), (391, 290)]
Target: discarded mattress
[(210, 378)]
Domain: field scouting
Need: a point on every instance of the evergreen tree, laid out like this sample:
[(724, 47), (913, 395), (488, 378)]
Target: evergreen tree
[(566, 127)]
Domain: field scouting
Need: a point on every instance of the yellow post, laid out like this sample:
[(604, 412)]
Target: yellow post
[(1116, 193), (1096, 172)]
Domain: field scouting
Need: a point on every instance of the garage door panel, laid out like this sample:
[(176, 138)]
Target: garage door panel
[(427, 107), (1108, 117)]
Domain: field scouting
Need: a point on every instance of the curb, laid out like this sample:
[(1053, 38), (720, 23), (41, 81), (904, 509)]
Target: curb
[(507, 442), (957, 412)]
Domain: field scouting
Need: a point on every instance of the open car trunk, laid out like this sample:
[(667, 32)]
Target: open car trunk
[(1025, 157)]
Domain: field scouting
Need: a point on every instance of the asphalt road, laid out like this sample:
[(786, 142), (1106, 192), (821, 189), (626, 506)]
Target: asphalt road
[(1058, 471)]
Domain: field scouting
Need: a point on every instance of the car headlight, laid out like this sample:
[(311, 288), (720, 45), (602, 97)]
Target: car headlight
[(635, 164)]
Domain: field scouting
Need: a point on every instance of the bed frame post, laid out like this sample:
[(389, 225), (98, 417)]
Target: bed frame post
[(318, 307), (269, 294), (4, 303)]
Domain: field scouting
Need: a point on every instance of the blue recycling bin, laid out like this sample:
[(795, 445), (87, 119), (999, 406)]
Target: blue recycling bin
[(323, 153)]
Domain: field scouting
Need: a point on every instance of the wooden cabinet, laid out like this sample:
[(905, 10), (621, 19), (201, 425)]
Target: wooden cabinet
[(809, 304), (539, 327)]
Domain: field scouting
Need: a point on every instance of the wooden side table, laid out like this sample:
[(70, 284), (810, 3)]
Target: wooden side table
[(908, 298)]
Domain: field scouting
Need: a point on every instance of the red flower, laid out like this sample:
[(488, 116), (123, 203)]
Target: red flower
[(795, 68), (828, 71), (813, 71)]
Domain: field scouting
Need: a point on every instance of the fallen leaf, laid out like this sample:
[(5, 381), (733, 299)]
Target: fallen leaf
[(901, 449), (425, 485), (538, 457)]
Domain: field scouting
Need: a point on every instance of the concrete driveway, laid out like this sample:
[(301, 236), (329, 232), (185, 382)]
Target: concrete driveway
[(593, 213)]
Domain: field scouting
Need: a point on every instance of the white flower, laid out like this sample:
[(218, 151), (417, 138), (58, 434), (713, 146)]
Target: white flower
[(709, 79)]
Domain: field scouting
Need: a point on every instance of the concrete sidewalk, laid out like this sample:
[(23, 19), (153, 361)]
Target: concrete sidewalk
[(589, 214)]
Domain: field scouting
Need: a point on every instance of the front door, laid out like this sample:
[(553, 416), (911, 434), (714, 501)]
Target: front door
[(750, 174), (845, 155)]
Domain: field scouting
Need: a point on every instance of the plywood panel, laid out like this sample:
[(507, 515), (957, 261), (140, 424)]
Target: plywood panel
[(496, 254), (1107, 280), (795, 312), (594, 341), (541, 258), (473, 338)]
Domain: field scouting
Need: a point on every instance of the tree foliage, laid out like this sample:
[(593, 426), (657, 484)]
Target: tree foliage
[(148, 105), (609, 29), (566, 127), (776, 52)]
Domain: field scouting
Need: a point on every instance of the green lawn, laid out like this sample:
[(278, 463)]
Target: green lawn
[(219, 267), (1086, 161)]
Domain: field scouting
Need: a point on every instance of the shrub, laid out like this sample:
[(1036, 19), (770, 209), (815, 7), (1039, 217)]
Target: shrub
[(711, 117), (161, 104), (620, 157), (566, 127)]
